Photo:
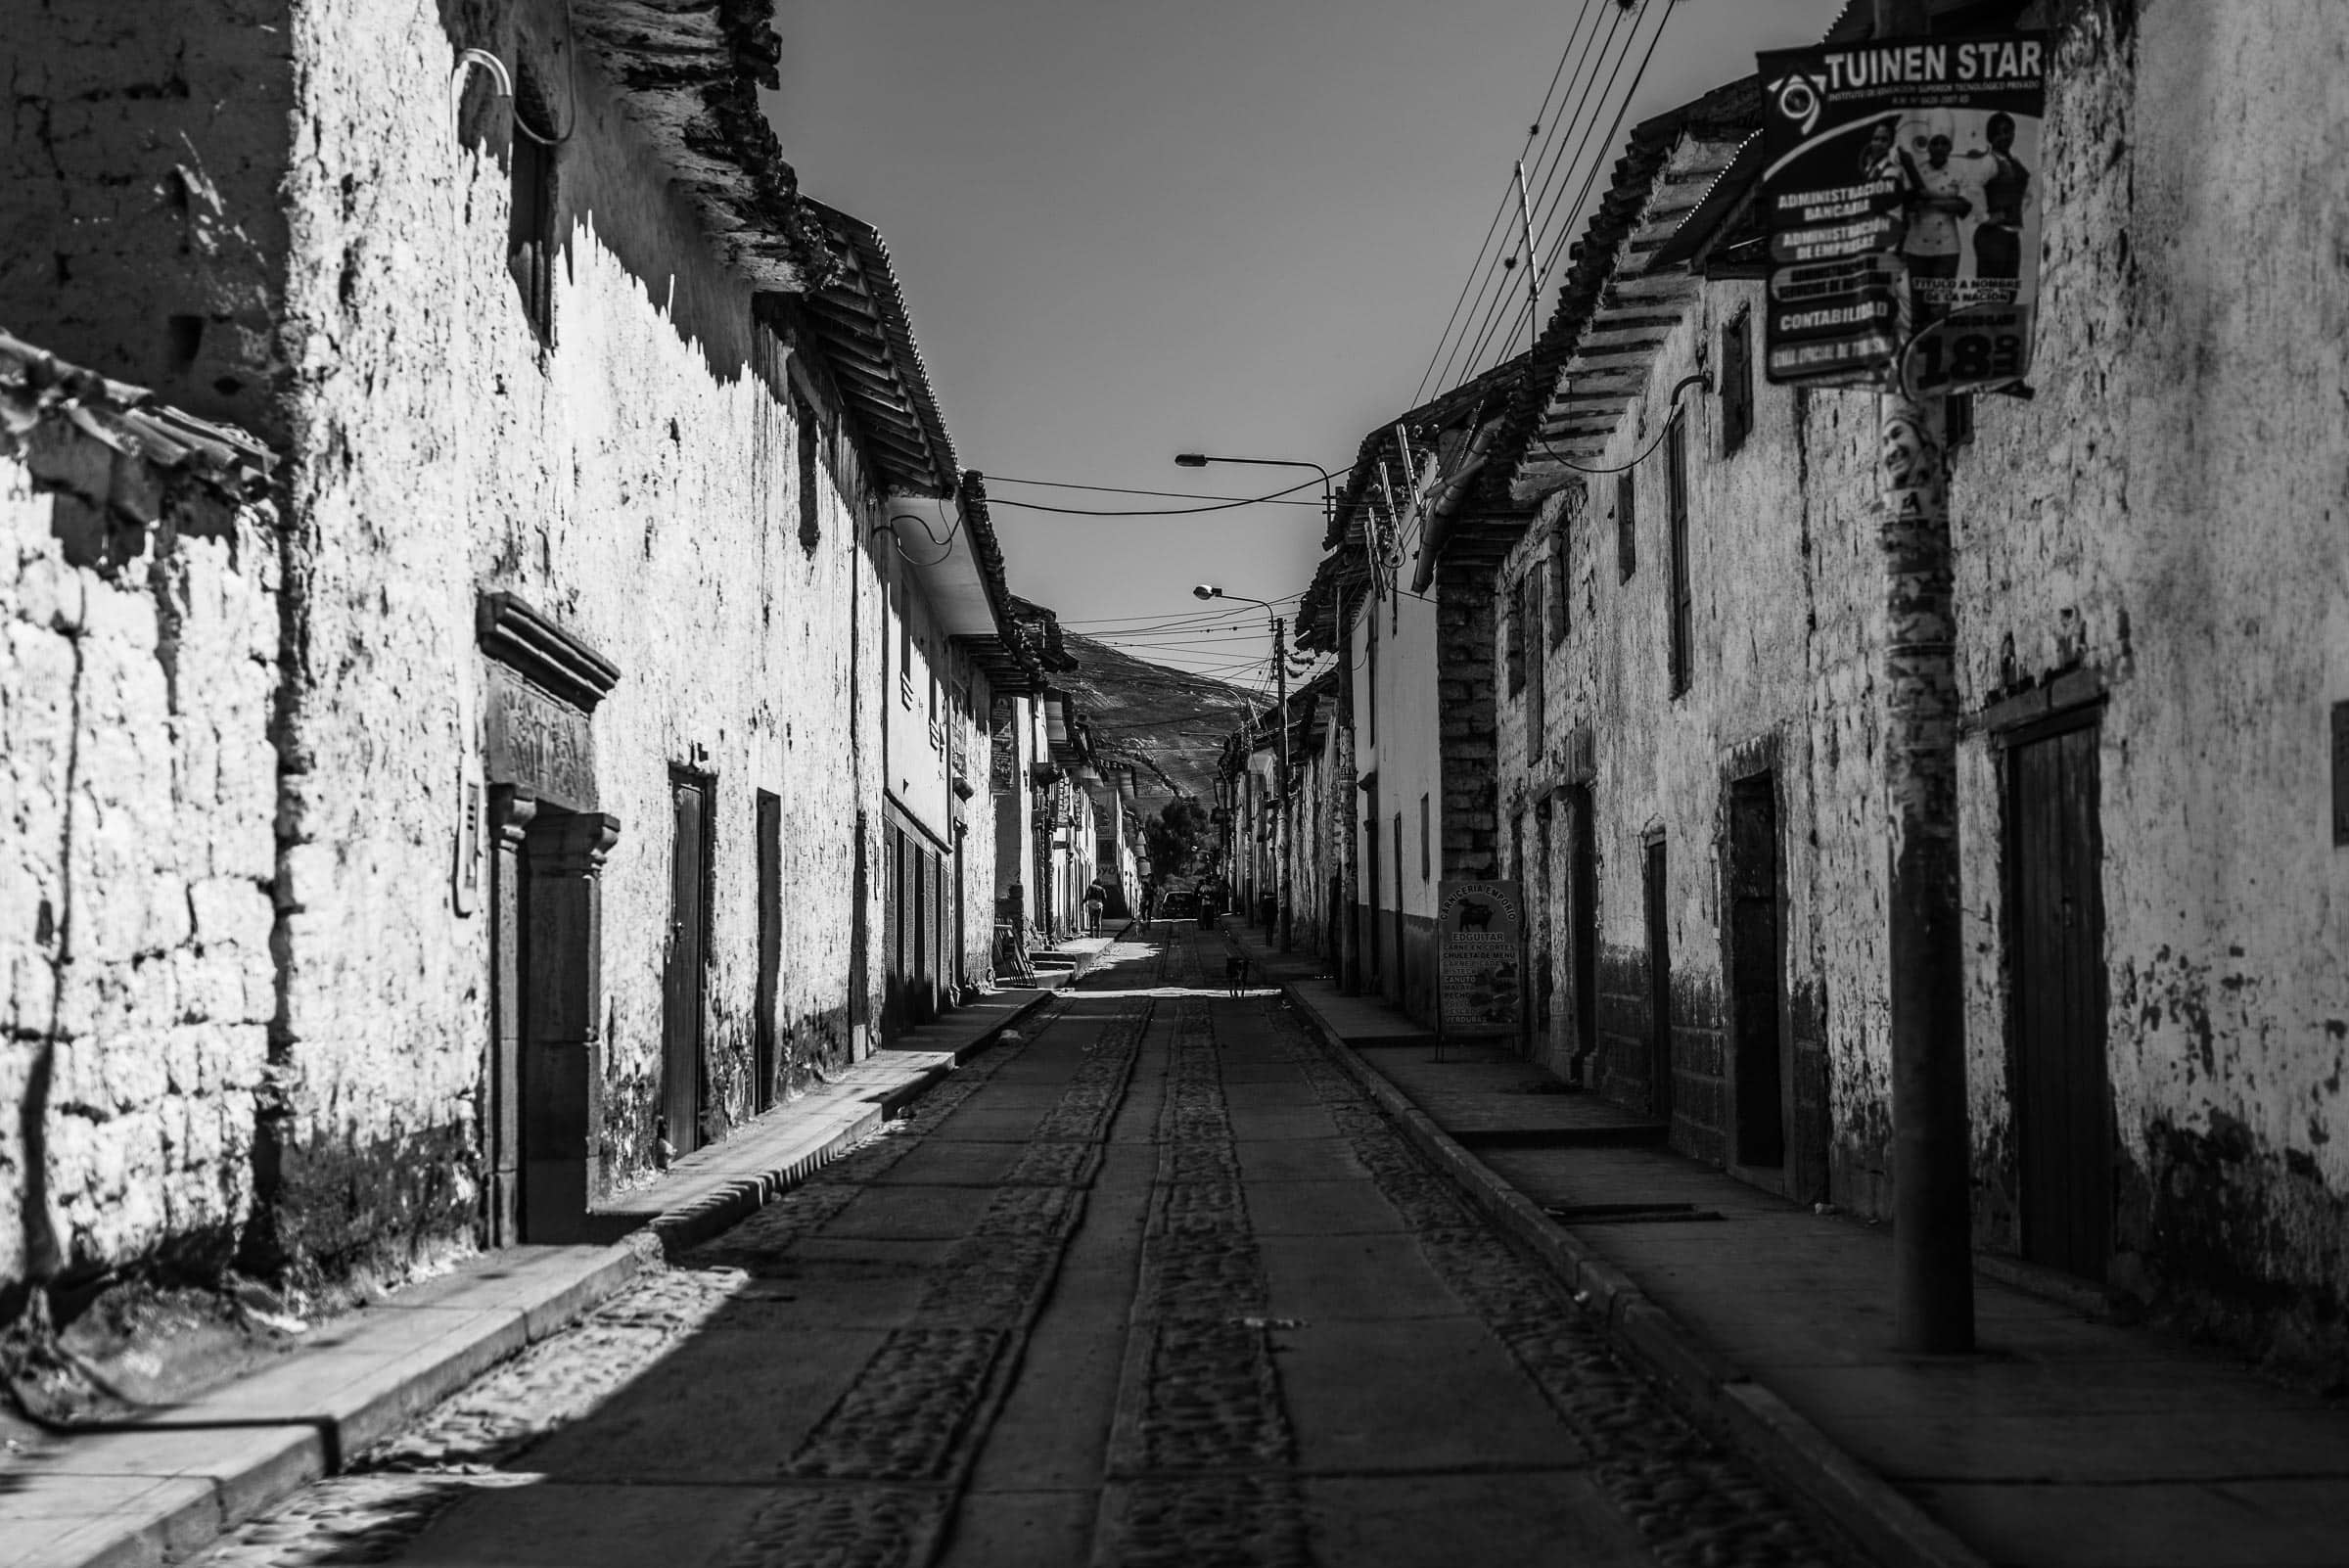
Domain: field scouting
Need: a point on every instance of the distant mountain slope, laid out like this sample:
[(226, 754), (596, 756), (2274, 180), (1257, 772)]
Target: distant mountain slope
[(1168, 723)]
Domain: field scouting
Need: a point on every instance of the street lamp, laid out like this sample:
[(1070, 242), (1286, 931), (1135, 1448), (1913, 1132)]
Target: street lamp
[(1329, 495), (1280, 673)]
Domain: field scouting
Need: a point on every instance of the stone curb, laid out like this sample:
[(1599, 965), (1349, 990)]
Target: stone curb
[(188, 1511), (680, 1231), (1778, 1438)]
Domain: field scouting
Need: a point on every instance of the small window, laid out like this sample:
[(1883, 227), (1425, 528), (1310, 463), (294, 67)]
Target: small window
[(1627, 527), (1512, 633), (1559, 624), (905, 635), (802, 416), (1675, 501), (1426, 860), (1737, 383), (530, 224)]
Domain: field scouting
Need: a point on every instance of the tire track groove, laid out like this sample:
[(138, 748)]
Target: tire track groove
[(1201, 1449), (876, 1480)]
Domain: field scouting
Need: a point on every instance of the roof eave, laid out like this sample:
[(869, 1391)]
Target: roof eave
[(690, 76)]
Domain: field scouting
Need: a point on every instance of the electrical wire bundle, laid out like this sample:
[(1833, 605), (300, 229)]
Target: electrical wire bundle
[(1549, 187)]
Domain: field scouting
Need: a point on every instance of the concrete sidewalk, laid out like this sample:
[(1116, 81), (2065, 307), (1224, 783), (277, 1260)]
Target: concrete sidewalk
[(2066, 1441), (156, 1490)]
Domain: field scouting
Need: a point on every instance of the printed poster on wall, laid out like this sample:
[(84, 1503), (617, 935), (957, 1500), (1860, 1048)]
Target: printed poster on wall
[(1480, 958), (1904, 190)]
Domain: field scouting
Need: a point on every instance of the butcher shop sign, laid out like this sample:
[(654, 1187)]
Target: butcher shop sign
[(1480, 958)]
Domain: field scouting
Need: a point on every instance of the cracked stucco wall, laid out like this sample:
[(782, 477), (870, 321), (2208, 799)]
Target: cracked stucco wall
[(1661, 763), (2172, 513), (634, 479), (144, 146), (137, 849), (2166, 518)]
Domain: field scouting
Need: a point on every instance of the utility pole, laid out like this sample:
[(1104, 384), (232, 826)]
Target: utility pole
[(1280, 802), (1532, 274), (1933, 1281)]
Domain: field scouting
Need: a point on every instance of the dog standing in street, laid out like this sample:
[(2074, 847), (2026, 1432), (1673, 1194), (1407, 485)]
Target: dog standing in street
[(1236, 973)]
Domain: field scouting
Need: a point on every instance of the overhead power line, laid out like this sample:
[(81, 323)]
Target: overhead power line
[(1492, 277), (1588, 156), (1571, 150), (1174, 510), (1113, 489)]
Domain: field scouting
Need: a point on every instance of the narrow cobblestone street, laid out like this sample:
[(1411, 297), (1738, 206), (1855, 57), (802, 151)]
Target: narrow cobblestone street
[(1152, 1283)]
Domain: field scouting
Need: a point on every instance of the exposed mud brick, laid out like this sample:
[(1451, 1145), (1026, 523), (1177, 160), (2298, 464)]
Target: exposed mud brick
[(2087, 576), (137, 801)]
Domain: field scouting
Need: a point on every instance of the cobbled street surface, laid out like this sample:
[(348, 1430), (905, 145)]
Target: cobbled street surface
[(1152, 1285)]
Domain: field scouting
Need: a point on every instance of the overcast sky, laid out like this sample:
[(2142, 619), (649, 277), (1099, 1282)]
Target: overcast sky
[(1129, 229)]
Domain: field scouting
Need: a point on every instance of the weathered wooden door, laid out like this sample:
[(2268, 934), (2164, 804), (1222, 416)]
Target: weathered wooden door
[(894, 919), (2055, 951), (1659, 986), (1403, 965), (925, 935), (685, 974), (1375, 977), (1756, 960), (1582, 895), (770, 943), (957, 924)]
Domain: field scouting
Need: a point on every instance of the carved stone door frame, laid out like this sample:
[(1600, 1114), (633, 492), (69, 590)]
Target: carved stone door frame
[(544, 1076)]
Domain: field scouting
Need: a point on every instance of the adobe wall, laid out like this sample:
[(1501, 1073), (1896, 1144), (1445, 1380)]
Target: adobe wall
[(634, 482), (140, 164), (2162, 523), (1403, 679), (2169, 517), (976, 829), (139, 795), (1661, 766)]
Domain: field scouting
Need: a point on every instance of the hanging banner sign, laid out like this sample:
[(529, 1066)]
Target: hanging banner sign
[(1904, 187), (1480, 959)]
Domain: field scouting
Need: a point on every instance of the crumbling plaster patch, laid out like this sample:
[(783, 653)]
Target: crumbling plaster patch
[(634, 482), (2168, 513), (143, 150), (137, 794)]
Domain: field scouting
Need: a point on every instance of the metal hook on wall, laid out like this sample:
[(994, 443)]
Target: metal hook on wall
[(467, 62)]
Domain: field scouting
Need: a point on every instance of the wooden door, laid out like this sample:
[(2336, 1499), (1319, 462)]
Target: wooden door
[(685, 975), (926, 936), (770, 943), (1659, 986), (1402, 967), (1756, 960), (2055, 958), (1582, 895), (1374, 958)]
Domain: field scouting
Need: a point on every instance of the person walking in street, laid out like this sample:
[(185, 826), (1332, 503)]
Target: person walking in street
[(1095, 902)]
